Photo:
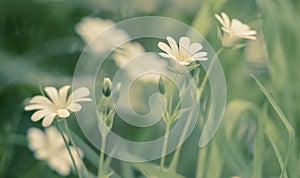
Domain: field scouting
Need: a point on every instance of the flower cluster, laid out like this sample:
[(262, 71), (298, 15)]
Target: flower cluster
[(52, 145)]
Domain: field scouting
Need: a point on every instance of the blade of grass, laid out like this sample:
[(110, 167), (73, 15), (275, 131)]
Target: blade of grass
[(215, 162), (277, 153), (284, 120), (259, 147)]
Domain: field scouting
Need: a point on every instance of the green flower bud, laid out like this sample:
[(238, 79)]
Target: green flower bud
[(107, 85), (161, 85)]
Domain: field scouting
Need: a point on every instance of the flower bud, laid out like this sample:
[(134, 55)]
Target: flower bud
[(161, 85), (107, 85)]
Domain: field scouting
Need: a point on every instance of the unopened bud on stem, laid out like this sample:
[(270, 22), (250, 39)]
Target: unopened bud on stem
[(107, 85), (161, 85)]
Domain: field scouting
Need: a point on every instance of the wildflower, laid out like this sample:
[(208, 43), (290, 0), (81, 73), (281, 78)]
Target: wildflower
[(129, 51), (234, 30), (90, 27), (185, 53), (107, 86), (58, 104), (49, 146)]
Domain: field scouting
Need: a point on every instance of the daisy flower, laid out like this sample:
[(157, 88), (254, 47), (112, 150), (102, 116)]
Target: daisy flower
[(125, 53), (49, 146), (185, 53), (90, 27), (234, 30), (58, 104)]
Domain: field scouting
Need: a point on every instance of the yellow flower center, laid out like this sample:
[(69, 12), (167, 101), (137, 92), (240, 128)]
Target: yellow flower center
[(180, 57)]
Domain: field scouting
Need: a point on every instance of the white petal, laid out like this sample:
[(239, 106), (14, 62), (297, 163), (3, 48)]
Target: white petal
[(54, 137), (218, 17), (195, 47), (250, 32), (173, 45), (40, 114), (63, 92), (79, 94), (184, 44), (226, 20), (201, 59), (53, 94), (249, 37), (164, 47), (83, 99), (42, 154), (60, 165), (48, 120), (74, 107), (200, 54), (40, 100), (166, 55), (36, 107), (36, 138), (184, 63), (238, 26), (63, 113)]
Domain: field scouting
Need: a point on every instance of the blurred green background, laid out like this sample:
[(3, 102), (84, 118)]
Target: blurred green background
[(39, 46)]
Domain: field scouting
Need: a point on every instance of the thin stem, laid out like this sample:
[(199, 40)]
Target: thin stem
[(164, 149), (76, 148), (208, 72), (103, 141), (174, 162), (202, 161), (68, 148), (101, 157)]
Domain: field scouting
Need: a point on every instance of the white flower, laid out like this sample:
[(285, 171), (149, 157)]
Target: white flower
[(90, 27), (185, 53), (49, 146), (58, 105), (125, 53), (234, 30)]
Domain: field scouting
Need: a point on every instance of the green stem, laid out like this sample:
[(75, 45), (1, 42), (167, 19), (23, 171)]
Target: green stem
[(103, 141), (164, 149), (174, 162), (200, 90), (68, 148), (201, 164), (101, 157), (75, 146)]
